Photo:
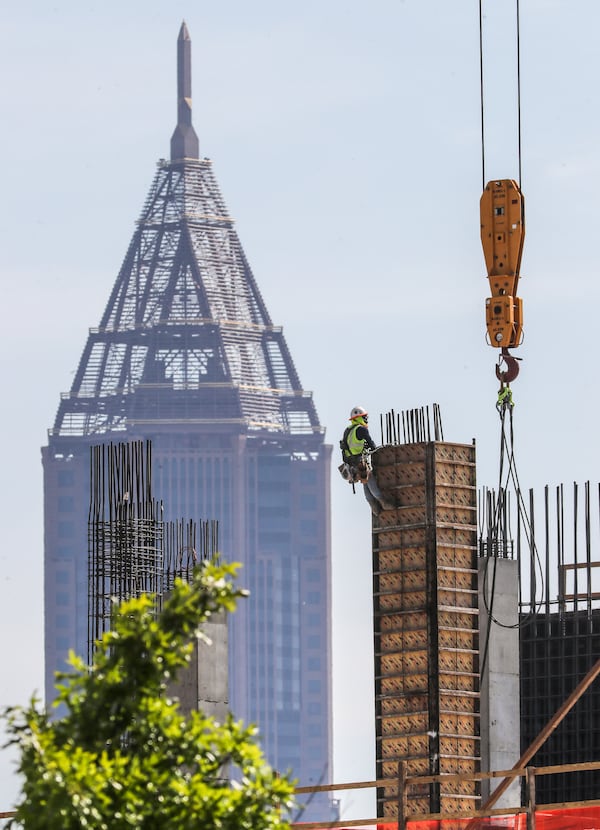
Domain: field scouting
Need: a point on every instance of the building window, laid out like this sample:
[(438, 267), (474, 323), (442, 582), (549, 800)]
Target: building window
[(308, 551), (64, 552), (308, 476), (314, 664), (62, 621), (62, 577), (313, 575), (313, 597), (66, 478), (313, 641), (314, 686), (66, 504), (66, 530), (62, 598)]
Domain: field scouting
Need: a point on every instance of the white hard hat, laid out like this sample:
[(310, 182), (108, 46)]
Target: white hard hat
[(358, 412)]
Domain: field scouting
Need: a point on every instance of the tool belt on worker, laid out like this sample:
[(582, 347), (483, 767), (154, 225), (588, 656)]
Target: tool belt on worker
[(356, 468)]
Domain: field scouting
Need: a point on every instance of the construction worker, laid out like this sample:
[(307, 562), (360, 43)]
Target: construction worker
[(357, 466)]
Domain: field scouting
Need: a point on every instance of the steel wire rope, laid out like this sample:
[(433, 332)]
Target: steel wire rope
[(494, 541), (529, 534), (510, 475), (522, 511), (482, 91), (505, 450)]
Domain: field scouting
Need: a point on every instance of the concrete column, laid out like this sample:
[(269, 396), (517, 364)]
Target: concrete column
[(204, 683), (500, 710)]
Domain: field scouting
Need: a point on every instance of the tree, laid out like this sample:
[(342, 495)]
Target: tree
[(123, 755)]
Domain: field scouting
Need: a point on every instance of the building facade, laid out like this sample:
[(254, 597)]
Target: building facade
[(186, 355)]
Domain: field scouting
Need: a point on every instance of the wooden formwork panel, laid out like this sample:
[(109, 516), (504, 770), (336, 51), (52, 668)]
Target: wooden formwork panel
[(405, 662), (457, 723), (457, 475), (462, 702), (464, 680), (411, 702), (399, 581), (430, 535), (463, 800), (462, 747), (457, 578), (410, 600), (459, 597), (389, 535), (454, 455), (396, 558), (409, 723), (449, 451), (457, 638), (457, 618), (391, 623), (402, 684), (399, 640), (414, 749), (410, 473), (455, 515), (453, 495), (460, 475), (451, 556), (414, 791), (415, 764), (461, 682), (408, 515), (453, 765), (416, 804), (451, 610), (400, 454), (456, 660), (460, 802), (457, 536), (413, 495)]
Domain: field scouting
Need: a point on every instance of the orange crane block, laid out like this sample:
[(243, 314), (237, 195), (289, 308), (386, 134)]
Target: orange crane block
[(502, 211)]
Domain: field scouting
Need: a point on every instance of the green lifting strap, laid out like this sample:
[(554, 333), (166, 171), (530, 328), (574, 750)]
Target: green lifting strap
[(505, 398)]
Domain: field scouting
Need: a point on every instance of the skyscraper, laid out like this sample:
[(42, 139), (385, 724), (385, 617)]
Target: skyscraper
[(186, 355)]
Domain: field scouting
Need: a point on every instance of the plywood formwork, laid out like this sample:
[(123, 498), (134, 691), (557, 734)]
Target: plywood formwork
[(426, 623)]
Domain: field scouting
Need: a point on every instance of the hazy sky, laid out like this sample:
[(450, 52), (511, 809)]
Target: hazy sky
[(346, 141)]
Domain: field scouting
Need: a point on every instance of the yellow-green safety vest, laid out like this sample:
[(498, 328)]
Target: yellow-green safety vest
[(355, 445)]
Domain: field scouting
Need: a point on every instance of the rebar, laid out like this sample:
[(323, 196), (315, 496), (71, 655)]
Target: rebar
[(131, 550), (185, 546), (412, 426), (125, 556)]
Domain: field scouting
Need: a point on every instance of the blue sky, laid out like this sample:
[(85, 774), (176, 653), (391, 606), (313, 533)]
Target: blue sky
[(346, 141)]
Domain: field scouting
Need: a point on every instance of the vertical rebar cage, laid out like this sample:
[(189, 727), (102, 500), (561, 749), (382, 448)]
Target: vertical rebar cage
[(555, 546), (131, 551), (125, 541)]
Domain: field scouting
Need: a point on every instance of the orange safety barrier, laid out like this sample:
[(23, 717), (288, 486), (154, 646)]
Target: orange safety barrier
[(572, 818)]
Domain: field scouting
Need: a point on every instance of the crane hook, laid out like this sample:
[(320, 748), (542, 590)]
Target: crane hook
[(511, 371)]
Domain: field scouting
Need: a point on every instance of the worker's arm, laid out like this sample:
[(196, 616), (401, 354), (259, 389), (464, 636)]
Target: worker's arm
[(362, 433)]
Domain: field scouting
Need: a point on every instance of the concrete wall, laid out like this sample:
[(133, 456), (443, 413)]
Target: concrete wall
[(204, 683), (500, 710)]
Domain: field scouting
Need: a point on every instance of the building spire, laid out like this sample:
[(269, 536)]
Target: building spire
[(184, 142)]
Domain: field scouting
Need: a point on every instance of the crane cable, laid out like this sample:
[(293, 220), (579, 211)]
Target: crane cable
[(505, 403), (507, 452), (482, 90)]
